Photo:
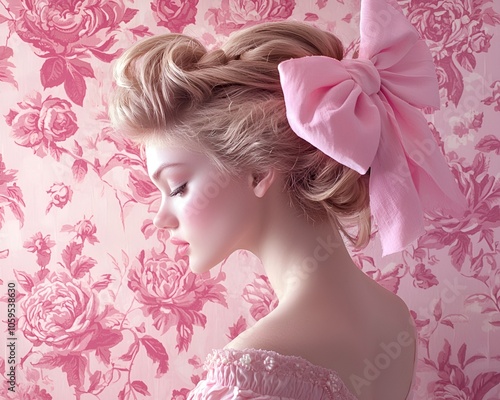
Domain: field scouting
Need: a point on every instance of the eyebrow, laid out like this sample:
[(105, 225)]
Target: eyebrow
[(157, 173)]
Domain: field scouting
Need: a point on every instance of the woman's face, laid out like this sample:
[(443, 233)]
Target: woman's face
[(211, 212)]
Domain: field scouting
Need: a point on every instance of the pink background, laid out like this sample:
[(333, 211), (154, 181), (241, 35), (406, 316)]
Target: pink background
[(106, 307)]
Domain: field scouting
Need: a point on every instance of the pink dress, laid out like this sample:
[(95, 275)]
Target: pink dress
[(267, 375)]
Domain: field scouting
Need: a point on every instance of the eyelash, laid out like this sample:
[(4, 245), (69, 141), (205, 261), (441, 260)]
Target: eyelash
[(180, 190)]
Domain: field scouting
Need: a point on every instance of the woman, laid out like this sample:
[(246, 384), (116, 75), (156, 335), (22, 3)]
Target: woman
[(276, 145)]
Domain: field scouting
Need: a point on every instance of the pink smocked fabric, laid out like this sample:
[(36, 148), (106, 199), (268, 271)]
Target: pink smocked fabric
[(365, 113), (264, 374), (267, 375)]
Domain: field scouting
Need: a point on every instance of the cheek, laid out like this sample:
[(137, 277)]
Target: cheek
[(203, 209), (215, 208)]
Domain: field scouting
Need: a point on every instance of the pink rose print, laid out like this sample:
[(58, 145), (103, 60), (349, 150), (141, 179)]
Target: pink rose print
[(5, 73), (470, 121), (456, 232), (59, 313), (60, 195), (424, 278), (495, 96), (57, 119), (41, 246), (234, 15), (180, 394), (40, 124), (172, 295), (63, 31), (261, 297), (453, 381), (25, 392), (454, 31), (11, 194), (86, 230), (175, 15), (64, 313)]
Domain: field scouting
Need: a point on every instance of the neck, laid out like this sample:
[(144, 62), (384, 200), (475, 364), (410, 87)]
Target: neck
[(304, 260)]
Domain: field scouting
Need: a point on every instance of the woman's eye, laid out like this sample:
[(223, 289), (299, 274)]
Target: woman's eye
[(180, 190)]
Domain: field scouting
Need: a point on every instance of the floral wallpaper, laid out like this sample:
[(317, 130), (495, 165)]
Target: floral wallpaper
[(96, 303)]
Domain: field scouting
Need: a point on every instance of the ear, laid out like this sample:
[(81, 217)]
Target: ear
[(261, 182)]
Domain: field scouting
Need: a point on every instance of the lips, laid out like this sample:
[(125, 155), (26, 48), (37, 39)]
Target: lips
[(182, 246), (177, 242)]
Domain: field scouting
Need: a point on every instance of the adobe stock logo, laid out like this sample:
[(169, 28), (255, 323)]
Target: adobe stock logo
[(378, 22), (373, 368)]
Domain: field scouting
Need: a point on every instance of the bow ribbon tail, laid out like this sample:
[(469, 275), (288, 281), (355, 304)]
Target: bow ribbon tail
[(409, 177), (432, 176), (394, 203)]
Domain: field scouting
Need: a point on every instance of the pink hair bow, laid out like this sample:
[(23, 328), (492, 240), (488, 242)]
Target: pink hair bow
[(365, 113)]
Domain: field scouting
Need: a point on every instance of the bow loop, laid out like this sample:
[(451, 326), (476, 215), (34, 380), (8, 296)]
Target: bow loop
[(330, 93), (364, 73)]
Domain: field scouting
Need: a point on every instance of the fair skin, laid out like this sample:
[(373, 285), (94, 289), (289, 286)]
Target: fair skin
[(307, 264)]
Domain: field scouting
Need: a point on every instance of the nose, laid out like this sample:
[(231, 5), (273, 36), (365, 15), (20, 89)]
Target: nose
[(165, 218)]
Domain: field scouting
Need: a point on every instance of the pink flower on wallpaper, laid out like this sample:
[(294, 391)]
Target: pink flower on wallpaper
[(482, 190), (59, 312), (60, 195), (470, 121), (39, 124), (172, 295), (451, 26), (57, 120), (57, 27), (86, 230), (495, 96), (454, 32), (449, 391), (234, 15), (11, 194), (5, 72), (25, 392), (261, 297), (424, 278), (65, 313), (175, 15), (62, 30), (454, 383), (40, 245)]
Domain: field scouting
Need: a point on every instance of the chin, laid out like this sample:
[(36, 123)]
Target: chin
[(202, 267)]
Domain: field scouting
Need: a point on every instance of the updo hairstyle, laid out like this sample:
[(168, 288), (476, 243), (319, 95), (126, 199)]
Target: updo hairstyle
[(229, 101)]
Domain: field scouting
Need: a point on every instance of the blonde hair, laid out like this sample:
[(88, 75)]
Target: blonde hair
[(229, 101)]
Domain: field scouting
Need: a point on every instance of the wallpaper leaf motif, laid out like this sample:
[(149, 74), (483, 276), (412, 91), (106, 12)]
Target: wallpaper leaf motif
[(64, 33), (11, 195), (5, 72), (108, 304)]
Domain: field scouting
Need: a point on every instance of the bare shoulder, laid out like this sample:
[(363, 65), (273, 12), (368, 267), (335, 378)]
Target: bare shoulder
[(372, 350), (386, 369)]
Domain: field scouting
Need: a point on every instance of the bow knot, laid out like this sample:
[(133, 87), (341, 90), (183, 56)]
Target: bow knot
[(364, 113), (364, 73)]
